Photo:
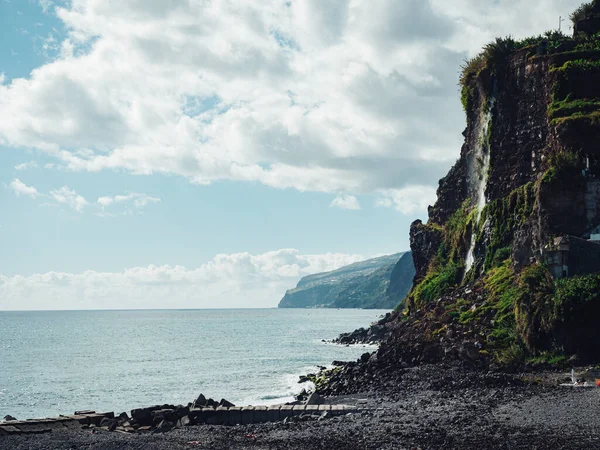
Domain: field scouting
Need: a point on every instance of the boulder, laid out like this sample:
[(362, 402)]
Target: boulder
[(143, 416), (226, 404), (182, 411), (184, 422), (314, 399), (302, 396), (169, 415), (164, 426), (469, 350), (111, 424), (200, 401), (9, 418)]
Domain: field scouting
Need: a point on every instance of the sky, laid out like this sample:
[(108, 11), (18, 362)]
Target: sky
[(209, 153)]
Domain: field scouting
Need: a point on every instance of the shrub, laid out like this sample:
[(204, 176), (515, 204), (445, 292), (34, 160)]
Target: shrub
[(534, 305), (585, 11), (436, 284), (573, 292), (564, 167)]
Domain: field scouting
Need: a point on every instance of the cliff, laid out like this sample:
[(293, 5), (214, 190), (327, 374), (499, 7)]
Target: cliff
[(507, 265), (379, 283)]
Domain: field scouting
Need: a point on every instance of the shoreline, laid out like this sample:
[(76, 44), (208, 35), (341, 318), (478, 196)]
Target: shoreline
[(74, 374), (428, 406)]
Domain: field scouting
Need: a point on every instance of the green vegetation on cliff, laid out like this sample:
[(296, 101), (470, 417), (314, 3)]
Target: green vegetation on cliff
[(537, 189)]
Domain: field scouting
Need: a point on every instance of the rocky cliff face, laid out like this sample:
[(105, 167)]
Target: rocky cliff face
[(507, 264), (378, 283), (527, 175)]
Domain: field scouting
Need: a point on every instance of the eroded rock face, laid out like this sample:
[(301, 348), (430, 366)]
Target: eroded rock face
[(529, 172), (522, 140), (424, 242)]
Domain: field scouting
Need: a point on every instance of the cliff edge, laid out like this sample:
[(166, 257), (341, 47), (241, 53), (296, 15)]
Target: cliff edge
[(508, 262)]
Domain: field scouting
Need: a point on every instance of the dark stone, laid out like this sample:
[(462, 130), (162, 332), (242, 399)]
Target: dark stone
[(169, 415), (302, 396), (314, 399), (424, 243), (184, 422), (225, 403), (143, 416), (111, 424), (183, 411), (200, 401), (164, 427), (9, 418)]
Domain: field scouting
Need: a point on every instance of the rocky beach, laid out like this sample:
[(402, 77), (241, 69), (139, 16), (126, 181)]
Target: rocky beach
[(427, 407)]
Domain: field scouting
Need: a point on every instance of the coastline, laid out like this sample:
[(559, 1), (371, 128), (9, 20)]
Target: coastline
[(441, 405), (97, 360), (429, 406)]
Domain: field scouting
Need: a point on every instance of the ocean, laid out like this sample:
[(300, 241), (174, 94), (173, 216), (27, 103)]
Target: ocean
[(57, 362)]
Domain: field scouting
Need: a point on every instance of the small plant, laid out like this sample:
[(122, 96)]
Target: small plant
[(496, 52), (436, 284)]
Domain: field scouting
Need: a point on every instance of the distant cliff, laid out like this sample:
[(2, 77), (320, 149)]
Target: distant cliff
[(378, 283)]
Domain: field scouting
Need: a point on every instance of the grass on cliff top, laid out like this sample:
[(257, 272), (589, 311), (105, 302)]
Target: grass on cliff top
[(496, 52), (565, 106)]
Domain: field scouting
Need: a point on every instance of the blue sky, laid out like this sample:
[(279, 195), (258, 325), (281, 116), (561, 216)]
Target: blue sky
[(189, 226), (223, 151)]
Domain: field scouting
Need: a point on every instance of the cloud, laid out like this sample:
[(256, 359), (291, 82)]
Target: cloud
[(232, 280), (348, 97), (345, 202), (69, 197), (21, 188), (409, 200), (46, 5), (26, 165), (2, 77), (138, 200)]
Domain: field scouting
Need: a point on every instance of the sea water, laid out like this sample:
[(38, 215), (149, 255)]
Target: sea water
[(58, 362)]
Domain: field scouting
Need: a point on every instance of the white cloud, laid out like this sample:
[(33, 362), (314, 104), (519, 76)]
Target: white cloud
[(21, 188), (26, 165), (349, 97), (2, 77), (346, 202), (46, 5), (138, 200), (234, 280), (69, 197), (409, 200)]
